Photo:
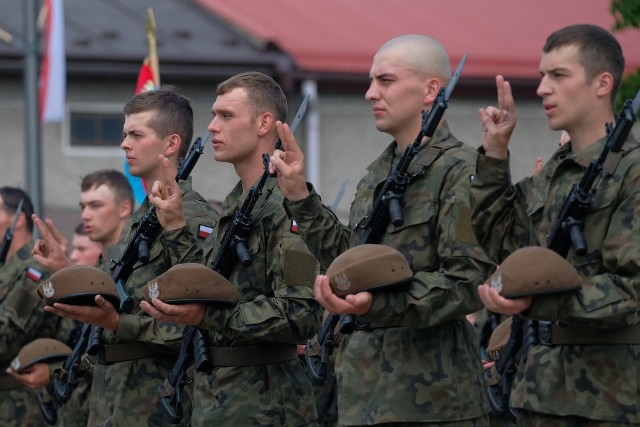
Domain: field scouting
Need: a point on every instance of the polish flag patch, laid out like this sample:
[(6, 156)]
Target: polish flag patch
[(294, 226), (33, 274), (204, 231)]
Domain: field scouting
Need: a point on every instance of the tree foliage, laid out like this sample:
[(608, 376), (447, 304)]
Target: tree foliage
[(627, 15)]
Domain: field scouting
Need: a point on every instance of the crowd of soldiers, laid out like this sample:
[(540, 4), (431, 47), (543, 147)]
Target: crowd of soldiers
[(437, 231)]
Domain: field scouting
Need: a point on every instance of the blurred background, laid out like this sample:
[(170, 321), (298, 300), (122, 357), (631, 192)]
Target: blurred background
[(318, 48)]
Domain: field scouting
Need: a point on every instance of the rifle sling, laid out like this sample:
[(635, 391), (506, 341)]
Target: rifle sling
[(254, 355), (115, 353), (554, 334)]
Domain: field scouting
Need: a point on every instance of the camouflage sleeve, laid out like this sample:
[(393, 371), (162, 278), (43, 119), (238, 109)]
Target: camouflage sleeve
[(447, 291), (609, 296), (285, 310), (21, 317), (321, 230), (498, 208), (181, 246)]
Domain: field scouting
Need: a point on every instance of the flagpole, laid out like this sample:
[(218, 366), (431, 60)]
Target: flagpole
[(154, 63), (32, 119)]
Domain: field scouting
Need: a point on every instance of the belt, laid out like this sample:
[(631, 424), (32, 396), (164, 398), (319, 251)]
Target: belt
[(563, 334), (250, 356), (115, 353), (7, 382)]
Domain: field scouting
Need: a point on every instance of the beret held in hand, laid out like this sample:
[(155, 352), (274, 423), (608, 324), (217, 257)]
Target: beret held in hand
[(499, 338), (78, 285), (534, 270), (368, 267), (39, 350), (191, 282)]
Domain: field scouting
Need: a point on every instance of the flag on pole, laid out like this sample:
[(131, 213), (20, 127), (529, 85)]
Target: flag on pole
[(53, 73), (148, 79)]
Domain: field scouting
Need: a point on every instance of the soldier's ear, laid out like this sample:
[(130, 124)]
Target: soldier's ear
[(265, 123), (172, 147), (432, 87)]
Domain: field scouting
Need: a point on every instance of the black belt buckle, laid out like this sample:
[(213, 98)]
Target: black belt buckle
[(544, 332)]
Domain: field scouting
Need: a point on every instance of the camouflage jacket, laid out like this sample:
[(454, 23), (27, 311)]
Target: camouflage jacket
[(22, 319), (420, 362), (124, 393), (276, 306), (593, 381)]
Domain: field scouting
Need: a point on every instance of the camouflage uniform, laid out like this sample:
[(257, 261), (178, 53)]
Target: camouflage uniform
[(124, 393), (22, 320), (276, 306), (600, 382), (418, 360)]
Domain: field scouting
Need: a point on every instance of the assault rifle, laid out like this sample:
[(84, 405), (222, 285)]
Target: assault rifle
[(232, 248), (8, 235), (387, 207), (137, 249), (565, 234)]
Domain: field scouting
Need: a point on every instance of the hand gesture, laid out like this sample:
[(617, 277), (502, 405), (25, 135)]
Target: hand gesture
[(289, 165), (47, 251), (498, 123), (166, 196), (182, 314), (357, 304)]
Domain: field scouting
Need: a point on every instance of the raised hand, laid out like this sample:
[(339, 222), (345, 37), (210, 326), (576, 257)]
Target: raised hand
[(498, 123), (166, 196), (289, 165), (47, 250)]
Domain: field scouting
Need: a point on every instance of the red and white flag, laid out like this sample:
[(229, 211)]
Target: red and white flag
[(53, 71)]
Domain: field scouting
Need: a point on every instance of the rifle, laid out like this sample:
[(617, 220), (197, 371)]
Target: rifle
[(232, 248), (8, 235), (565, 234), (137, 249), (386, 208)]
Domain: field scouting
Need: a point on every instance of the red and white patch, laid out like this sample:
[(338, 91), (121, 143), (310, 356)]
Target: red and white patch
[(204, 231), (33, 274), (294, 226)]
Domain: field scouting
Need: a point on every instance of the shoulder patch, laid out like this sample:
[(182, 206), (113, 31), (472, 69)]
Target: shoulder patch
[(294, 226), (204, 231), (34, 274)]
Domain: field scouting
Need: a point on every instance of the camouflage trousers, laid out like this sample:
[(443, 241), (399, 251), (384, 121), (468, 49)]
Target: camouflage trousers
[(537, 419), (19, 408), (476, 422)]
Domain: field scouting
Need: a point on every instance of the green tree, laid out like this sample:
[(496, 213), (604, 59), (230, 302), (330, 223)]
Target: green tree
[(627, 15)]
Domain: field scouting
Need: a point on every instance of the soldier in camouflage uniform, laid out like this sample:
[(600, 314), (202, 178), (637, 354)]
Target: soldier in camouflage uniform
[(414, 357), (264, 384), (570, 384), (21, 316), (137, 352), (106, 201)]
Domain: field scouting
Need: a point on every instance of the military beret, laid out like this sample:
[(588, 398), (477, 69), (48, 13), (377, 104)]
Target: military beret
[(499, 339), (39, 350), (78, 285), (534, 270), (368, 267), (191, 282)]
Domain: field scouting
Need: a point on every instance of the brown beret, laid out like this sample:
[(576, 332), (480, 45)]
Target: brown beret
[(368, 267), (499, 339), (534, 270), (78, 285), (191, 282), (39, 350)]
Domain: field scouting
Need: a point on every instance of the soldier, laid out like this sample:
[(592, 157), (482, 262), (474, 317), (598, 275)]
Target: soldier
[(133, 358), (592, 378), (413, 357), (261, 381), (84, 251), (106, 200), (21, 316)]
